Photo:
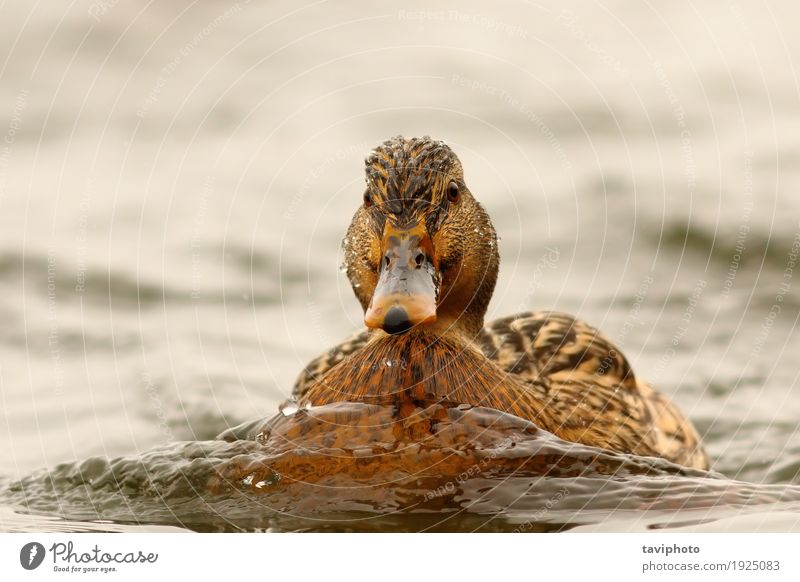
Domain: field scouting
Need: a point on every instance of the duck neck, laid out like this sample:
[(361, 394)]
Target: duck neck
[(468, 282), (420, 368), (418, 364)]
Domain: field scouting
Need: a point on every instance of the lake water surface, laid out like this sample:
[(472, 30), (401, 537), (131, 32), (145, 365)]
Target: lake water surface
[(175, 180)]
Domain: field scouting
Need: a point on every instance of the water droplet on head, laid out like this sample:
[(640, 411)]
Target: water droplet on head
[(289, 409)]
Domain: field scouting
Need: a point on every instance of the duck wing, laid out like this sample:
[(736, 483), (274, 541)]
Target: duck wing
[(544, 343), (588, 387)]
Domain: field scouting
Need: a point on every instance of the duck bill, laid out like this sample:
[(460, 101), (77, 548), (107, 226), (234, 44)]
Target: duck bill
[(405, 295)]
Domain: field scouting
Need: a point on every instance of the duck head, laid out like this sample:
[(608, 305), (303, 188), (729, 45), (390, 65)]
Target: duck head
[(421, 252)]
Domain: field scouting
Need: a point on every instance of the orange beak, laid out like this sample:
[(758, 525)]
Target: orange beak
[(407, 288)]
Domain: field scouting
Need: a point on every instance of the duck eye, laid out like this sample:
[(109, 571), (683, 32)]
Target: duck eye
[(367, 200), (452, 192)]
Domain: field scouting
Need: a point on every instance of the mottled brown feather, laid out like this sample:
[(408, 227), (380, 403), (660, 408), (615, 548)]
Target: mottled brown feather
[(549, 368), (545, 367)]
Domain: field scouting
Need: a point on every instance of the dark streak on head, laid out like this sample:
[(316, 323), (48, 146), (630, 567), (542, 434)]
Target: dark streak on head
[(407, 180)]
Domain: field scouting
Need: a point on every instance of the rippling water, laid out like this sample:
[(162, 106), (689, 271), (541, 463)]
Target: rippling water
[(175, 179), (359, 467)]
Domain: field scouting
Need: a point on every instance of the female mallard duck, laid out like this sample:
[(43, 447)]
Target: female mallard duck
[(421, 255)]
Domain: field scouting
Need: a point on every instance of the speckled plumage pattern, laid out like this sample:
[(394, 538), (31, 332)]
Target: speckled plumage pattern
[(545, 367), (403, 177), (589, 381)]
